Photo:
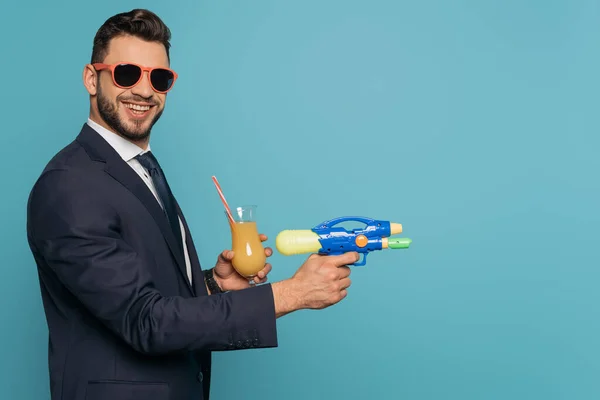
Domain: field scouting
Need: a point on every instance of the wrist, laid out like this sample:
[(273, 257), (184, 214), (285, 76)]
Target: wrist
[(285, 298), (212, 282), (219, 282)]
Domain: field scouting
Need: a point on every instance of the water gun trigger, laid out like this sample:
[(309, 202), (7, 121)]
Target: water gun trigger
[(363, 262)]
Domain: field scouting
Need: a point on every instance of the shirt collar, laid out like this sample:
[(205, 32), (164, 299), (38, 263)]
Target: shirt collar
[(125, 148)]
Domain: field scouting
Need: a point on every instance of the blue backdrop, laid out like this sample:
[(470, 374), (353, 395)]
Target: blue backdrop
[(472, 123)]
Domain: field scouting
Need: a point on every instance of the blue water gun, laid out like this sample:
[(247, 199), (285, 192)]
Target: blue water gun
[(328, 239)]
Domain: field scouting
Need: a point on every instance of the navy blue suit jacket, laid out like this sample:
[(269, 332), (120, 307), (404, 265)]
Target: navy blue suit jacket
[(124, 322)]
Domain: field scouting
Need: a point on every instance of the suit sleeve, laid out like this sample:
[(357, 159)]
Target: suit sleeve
[(76, 233)]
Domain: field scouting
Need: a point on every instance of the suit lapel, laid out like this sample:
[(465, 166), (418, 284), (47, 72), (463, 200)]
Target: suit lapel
[(100, 150)]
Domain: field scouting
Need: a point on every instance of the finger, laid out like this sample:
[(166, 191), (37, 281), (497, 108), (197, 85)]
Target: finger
[(226, 255), (263, 237), (261, 276), (344, 272), (344, 259), (268, 251), (345, 283), (265, 271), (258, 280)]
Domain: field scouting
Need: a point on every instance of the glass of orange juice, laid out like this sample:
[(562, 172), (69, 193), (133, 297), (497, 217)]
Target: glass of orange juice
[(249, 254)]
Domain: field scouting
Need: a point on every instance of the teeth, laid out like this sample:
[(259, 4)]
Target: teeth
[(137, 107)]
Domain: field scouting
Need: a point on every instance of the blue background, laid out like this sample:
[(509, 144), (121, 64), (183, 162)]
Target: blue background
[(472, 123)]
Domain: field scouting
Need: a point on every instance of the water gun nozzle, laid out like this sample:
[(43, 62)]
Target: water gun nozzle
[(396, 243), (395, 228)]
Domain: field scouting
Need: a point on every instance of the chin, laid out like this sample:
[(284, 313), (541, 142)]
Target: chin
[(132, 122), (138, 127), (137, 133)]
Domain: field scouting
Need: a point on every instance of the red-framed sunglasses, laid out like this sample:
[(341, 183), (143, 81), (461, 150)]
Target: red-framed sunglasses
[(127, 75)]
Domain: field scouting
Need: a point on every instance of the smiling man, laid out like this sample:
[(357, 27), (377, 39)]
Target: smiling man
[(130, 113), (131, 314)]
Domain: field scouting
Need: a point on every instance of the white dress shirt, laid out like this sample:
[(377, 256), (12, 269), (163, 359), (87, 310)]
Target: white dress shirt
[(128, 151)]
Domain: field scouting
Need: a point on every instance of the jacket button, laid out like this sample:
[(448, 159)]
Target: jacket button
[(200, 377)]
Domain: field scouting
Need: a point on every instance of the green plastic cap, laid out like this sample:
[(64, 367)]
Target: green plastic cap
[(399, 243)]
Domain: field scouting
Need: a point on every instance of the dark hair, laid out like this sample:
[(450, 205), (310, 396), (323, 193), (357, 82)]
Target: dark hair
[(141, 23)]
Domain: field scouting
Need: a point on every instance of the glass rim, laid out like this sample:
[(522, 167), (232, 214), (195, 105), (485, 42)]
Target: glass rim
[(236, 211), (244, 207)]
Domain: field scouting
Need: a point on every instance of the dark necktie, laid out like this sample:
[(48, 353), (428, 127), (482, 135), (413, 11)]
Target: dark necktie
[(149, 162)]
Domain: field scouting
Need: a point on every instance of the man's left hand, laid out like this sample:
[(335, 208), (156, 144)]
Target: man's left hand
[(229, 279)]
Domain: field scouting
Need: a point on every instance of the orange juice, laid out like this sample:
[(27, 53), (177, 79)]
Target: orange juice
[(249, 253)]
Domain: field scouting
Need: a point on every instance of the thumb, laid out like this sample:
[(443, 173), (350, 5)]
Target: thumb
[(226, 256)]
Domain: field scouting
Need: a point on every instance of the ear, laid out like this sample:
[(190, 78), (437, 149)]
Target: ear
[(90, 79)]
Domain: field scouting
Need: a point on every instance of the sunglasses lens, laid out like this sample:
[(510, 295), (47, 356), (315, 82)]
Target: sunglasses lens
[(127, 75), (162, 79)]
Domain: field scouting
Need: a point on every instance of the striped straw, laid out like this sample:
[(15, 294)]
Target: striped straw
[(216, 182)]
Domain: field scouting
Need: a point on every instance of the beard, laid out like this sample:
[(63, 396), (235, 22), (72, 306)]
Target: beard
[(110, 114)]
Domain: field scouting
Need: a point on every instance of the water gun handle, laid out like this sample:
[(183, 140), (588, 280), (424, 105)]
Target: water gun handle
[(332, 222)]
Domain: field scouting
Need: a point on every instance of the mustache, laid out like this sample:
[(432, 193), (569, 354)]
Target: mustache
[(140, 99)]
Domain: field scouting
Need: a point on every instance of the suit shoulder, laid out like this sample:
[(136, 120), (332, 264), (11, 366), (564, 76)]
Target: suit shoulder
[(70, 156), (67, 193), (64, 199), (70, 162), (69, 173), (65, 179)]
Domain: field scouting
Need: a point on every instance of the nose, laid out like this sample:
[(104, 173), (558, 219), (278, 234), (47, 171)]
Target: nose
[(143, 88)]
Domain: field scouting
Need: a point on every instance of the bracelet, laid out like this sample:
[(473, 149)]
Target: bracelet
[(212, 284)]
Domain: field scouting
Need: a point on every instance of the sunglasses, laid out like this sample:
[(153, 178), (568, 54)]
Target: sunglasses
[(127, 75)]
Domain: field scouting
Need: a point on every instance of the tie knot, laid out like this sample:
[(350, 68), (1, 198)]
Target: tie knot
[(148, 161)]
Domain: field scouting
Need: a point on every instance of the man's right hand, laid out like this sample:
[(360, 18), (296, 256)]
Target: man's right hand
[(319, 283)]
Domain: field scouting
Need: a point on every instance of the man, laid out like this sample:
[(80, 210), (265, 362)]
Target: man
[(131, 314)]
